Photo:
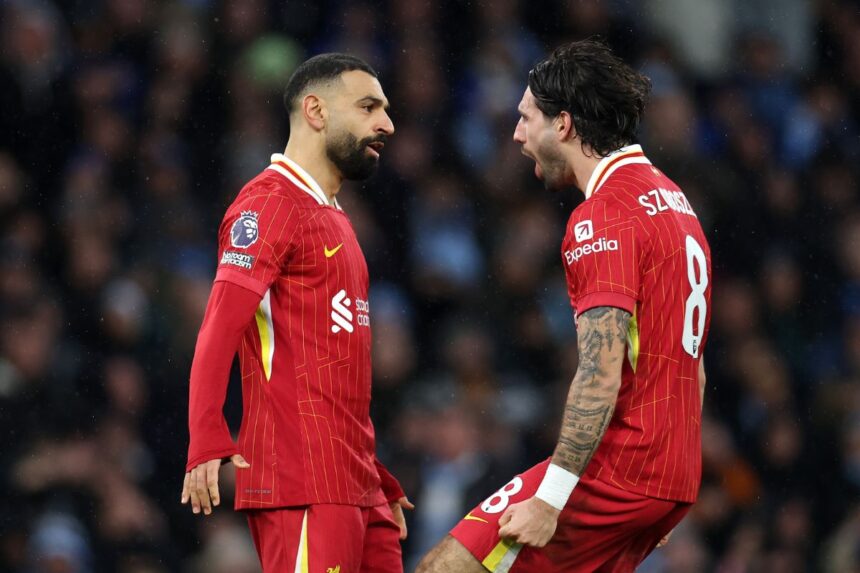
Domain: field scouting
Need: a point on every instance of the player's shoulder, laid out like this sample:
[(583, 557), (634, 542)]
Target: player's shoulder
[(627, 184), (618, 202), (639, 190), (271, 184), (607, 205), (268, 191)]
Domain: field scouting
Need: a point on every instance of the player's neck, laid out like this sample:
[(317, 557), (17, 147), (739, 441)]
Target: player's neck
[(318, 166), (583, 168)]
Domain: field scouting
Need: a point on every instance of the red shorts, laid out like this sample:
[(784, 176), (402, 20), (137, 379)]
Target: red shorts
[(327, 538), (602, 528)]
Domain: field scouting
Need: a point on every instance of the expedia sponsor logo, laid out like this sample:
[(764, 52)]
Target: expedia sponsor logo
[(597, 246), (237, 259), (583, 231)]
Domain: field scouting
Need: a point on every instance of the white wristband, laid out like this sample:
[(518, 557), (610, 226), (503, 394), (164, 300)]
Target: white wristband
[(556, 487)]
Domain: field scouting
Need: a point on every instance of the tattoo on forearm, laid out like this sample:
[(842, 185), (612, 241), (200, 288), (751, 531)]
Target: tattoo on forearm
[(602, 334)]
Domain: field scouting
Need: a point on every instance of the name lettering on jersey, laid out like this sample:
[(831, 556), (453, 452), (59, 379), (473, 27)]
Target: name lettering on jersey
[(660, 199), (598, 246), (237, 259), (245, 231), (343, 316), (583, 230)]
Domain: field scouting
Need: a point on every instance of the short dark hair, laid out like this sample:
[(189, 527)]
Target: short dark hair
[(604, 96), (321, 68)]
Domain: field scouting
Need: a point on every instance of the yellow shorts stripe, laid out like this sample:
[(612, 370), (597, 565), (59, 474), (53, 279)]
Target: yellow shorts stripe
[(302, 553), (501, 557)]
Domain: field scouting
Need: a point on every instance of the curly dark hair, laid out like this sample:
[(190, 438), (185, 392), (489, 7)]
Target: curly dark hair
[(604, 96), (321, 68)]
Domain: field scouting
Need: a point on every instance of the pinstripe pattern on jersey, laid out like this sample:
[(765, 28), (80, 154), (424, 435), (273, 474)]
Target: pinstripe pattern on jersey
[(652, 446), (306, 430)]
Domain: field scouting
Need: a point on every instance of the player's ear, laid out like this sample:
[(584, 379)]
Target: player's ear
[(564, 127), (314, 111)]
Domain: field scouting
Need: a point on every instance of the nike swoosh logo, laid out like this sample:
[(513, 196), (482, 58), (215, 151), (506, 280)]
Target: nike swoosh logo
[(470, 517), (330, 253)]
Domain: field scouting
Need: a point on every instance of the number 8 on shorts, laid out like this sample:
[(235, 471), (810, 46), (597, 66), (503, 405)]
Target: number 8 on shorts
[(497, 502)]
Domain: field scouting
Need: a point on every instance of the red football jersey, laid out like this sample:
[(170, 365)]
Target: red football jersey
[(635, 243), (305, 358)]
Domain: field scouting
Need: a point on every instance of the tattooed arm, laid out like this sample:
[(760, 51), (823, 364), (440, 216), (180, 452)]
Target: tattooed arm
[(602, 334), (602, 341)]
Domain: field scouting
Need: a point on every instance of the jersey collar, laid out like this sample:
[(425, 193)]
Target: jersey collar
[(301, 178), (607, 165)]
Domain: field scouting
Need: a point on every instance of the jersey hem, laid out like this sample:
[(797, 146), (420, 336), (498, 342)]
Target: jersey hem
[(373, 501), (675, 497)]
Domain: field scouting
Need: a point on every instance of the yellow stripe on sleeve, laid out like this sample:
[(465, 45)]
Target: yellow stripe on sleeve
[(263, 317), (633, 341)]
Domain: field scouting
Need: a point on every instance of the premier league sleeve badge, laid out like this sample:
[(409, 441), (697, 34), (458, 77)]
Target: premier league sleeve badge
[(245, 230)]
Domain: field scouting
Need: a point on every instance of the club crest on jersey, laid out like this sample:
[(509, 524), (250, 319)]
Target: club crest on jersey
[(245, 230), (583, 231)]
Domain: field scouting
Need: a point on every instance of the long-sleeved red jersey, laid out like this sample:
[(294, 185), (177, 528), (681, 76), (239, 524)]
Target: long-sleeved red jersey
[(291, 297)]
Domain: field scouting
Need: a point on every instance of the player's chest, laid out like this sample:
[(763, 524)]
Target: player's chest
[(327, 253)]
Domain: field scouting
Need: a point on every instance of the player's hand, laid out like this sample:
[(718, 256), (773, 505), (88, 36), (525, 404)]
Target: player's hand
[(531, 522), (201, 484), (399, 518), (665, 539)]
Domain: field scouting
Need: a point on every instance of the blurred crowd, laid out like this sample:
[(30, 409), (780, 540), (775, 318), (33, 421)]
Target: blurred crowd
[(127, 126)]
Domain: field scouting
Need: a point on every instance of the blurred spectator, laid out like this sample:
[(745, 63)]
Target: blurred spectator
[(59, 543)]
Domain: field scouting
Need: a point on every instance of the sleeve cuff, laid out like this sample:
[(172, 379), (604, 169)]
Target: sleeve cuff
[(391, 488), (211, 455), (393, 493), (613, 299), (242, 280)]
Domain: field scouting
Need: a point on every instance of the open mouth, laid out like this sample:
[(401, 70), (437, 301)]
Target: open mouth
[(375, 147), (538, 169)]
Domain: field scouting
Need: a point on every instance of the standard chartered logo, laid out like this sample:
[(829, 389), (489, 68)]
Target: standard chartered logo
[(340, 313), (343, 316)]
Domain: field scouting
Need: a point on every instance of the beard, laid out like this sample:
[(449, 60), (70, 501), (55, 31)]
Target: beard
[(349, 155), (550, 164), (553, 170)]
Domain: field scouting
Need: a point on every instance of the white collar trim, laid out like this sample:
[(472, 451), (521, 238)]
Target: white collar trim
[(624, 156), (304, 181)]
